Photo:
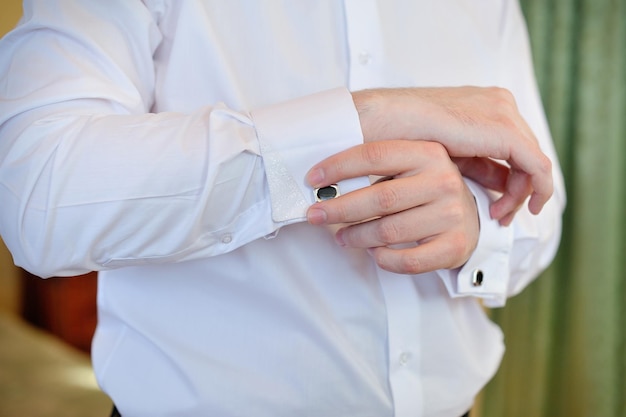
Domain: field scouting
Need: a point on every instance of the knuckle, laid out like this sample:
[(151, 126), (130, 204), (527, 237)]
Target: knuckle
[(504, 118), (452, 183), (502, 96), (507, 123), (374, 153), (339, 168), (436, 150), (387, 199), (459, 249), (503, 106), (387, 232), (458, 245), (545, 165), (410, 264), (454, 213)]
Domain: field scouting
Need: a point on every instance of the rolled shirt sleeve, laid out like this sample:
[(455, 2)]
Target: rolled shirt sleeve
[(319, 125)]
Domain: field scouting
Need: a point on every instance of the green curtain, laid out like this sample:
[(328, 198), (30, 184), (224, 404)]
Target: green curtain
[(566, 334)]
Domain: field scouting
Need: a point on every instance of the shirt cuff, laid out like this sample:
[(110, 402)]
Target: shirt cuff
[(295, 135), (486, 273)]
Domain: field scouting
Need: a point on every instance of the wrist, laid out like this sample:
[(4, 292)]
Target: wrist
[(369, 105), (387, 113)]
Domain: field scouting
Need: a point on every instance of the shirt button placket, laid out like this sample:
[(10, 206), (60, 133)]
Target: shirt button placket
[(364, 36), (364, 58), (403, 320), (404, 358)]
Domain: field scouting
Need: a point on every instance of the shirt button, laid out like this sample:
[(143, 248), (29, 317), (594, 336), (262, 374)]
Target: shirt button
[(477, 278), (404, 359), (227, 238), (365, 58)]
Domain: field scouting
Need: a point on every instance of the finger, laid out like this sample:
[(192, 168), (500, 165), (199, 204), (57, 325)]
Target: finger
[(485, 171), (520, 148), (539, 167), (377, 200), (538, 199), (518, 188), (408, 226), (375, 158), (437, 253), (541, 176), (508, 219)]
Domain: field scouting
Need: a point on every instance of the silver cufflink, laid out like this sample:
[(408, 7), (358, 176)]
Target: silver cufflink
[(477, 278), (326, 193)]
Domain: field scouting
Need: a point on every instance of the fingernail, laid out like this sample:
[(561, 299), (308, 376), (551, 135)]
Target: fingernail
[(316, 216), (315, 177), (339, 238), (507, 220), (494, 212), (534, 205)]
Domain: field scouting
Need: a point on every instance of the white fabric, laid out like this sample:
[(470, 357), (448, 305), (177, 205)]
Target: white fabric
[(165, 143)]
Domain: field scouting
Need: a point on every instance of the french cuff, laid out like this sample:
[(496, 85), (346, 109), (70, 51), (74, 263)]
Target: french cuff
[(486, 273), (295, 135)]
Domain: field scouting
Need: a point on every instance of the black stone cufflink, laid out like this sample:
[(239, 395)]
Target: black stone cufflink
[(326, 193)]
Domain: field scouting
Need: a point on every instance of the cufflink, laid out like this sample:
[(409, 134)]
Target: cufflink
[(326, 193), (477, 278)]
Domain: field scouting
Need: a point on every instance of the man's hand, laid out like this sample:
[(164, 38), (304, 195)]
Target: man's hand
[(477, 125), (426, 202)]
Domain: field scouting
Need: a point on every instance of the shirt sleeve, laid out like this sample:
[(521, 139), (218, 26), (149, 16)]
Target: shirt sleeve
[(507, 259), (90, 179), (324, 124)]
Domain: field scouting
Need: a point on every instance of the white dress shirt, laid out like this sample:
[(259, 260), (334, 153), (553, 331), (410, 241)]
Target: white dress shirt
[(165, 143)]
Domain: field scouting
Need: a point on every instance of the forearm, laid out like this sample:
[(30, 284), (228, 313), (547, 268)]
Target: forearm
[(80, 192), (84, 189), (91, 178)]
